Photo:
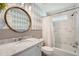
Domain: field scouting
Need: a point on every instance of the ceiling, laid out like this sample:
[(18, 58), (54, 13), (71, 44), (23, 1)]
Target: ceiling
[(53, 7)]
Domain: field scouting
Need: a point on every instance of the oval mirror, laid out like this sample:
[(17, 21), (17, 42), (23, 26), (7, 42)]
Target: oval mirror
[(17, 19)]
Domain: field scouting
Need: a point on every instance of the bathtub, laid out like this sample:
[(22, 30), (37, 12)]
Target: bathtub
[(59, 52)]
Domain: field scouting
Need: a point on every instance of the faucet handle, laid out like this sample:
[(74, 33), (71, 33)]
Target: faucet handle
[(20, 38), (75, 44)]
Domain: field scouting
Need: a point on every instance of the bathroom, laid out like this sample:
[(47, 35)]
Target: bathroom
[(39, 29)]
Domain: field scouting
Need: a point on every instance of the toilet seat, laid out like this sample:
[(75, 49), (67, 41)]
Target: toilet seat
[(47, 50)]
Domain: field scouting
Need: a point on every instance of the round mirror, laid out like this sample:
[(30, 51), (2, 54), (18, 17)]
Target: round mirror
[(17, 19)]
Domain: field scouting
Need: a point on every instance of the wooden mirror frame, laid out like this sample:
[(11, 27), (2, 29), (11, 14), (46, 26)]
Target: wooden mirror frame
[(10, 26)]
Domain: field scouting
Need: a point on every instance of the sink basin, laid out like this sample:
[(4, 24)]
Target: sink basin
[(23, 42)]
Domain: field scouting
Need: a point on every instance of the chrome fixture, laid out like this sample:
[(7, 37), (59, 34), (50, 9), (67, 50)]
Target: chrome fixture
[(75, 45), (74, 13)]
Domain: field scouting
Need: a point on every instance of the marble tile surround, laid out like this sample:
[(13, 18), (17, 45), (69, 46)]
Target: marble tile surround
[(4, 41), (65, 34)]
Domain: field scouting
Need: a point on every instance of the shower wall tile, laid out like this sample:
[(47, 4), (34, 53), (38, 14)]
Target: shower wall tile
[(64, 34)]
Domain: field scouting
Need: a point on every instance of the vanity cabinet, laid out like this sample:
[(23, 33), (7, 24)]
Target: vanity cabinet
[(32, 51)]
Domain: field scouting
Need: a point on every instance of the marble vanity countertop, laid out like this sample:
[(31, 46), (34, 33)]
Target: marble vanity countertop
[(16, 47)]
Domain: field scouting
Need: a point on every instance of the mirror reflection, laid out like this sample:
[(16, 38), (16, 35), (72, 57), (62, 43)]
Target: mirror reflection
[(17, 19)]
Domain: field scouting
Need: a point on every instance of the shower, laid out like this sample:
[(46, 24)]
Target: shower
[(66, 30)]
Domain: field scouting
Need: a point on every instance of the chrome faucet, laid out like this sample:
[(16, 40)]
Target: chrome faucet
[(75, 45), (20, 38)]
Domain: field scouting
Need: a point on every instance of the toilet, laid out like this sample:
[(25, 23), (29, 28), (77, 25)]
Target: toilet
[(47, 50)]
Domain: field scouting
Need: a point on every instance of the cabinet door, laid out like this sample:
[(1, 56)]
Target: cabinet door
[(33, 51)]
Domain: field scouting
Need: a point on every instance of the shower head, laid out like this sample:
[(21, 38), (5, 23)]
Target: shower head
[(74, 13)]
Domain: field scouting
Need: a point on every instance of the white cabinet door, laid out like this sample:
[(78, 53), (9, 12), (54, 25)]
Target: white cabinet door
[(32, 51)]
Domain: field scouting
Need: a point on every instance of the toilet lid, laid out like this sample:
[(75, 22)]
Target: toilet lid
[(47, 48)]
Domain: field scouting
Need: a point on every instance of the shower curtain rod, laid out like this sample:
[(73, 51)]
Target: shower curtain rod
[(67, 10), (64, 11)]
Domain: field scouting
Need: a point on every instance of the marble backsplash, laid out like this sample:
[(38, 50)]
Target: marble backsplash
[(4, 41), (7, 36)]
